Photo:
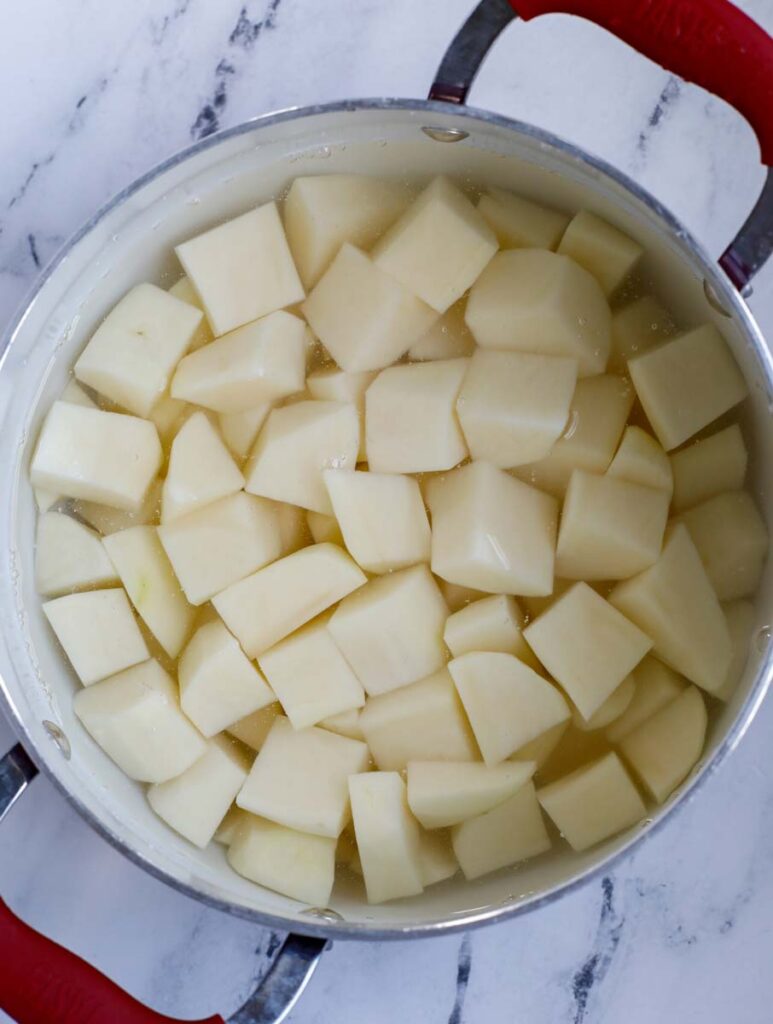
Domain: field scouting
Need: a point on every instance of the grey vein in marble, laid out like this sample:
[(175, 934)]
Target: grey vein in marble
[(463, 968), (594, 969)]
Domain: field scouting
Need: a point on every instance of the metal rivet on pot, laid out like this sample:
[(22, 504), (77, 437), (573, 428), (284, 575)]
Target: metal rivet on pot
[(713, 299), (445, 134), (59, 738), (323, 914)]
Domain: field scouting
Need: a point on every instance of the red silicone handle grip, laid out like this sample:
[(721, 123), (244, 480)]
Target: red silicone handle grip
[(709, 42), (42, 983)]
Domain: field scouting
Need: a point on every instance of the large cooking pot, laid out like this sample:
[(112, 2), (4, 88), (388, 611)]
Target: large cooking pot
[(131, 239)]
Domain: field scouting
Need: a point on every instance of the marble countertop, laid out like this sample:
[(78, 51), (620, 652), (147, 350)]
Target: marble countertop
[(95, 94)]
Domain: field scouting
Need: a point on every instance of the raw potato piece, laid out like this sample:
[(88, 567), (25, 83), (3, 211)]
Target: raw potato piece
[(388, 837), (382, 518), (195, 802), (491, 624), (593, 803), (410, 418), (448, 338), (641, 460), (507, 703), (324, 529), (295, 864), (239, 429), (709, 467), (299, 779), (740, 621), (219, 685), (732, 540), (513, 406), (587, 645), (604, 251), (636, 328), (613, 707), (75, 394), (655, 684), (253, 729), (457, 596), (521, 223), (339, 386), (263, 608), (391, 631), (69, 557), (664, 749), (511, 832), (438, 860), (107, 520), (675, 604), (364, 317), (132, 354), (438, 247), (442, 793), (242, 269), (296, 444), (345, 723), (532, 300), (184, 290), (421, 722), (539, 750), (294, 532), (492, 532), (99, 456), (201, 470), (135, 718), (686, 383), (98, 631), (228, 828)]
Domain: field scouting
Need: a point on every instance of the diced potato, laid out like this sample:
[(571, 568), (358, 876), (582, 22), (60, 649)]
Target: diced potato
[(438, 247), (391, 630), (447, 338), (663, 750), (69, 557), (228, 828), (99, 456), (587, 645), (266, 606), (492, 532), (299, 778), (740, 621), (259, 362), (294, 532), (219, 685), (135, 718), (610, 528), (243, 269), (708, 467), (338, 386), (382, 518), (424, 721), (239, 429), (131, 356), (613, 707), (456, 596), (345, 723), (507, 703), (605, 251), (438, 860), (641, 460), (674, 603), (411, 424), (75, 394), (324, 529), (537, 605), (253, 729), (655, 684), (364, 316), (98, 632), (636, 328), (490, 624), (221, 543), (593, 803), (521, 223), (442, 793), (532, 300), (200, 471), (511, 832), (388, 837), (184, 290), (513, 406), (732, 540), (293, 863), (106, 519), (296, 444), (686, 383), (540, 749), (195, 802)]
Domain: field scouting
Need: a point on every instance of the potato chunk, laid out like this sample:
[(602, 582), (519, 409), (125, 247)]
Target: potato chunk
[(339, 386), (708, 467), (106, 519), (511, 832), (532, 300), (447, 338), (636, 328), (732, 540), (294, 532), (641, 460), (655, 684), (605, 251), (345, 723), (69, 557), (324, 529), (200, 471), (490, 624), (253, 729), (438, 860), (442, 793), (740, 622), (183, 289), (521, 223), (613, 707), (239, 429)]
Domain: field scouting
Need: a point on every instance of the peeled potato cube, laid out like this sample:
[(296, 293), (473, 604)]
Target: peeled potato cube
[(410, 418), (438, 860), (613, 707), (200, 471), (135, 718), (294, 532), (438, 247), (708, 467), (447, 338), (587, 645), (219, 685), (293, 863), (295, 445), (106, 519), (636, 328), (442, 793), (195, 802), (388, 837), (674, 603), (641, 460), (391, 630), (490, 624), (423, 721), (663, 750), (605, 251), (339, 386), (69, 557), (382, 518), (95, 455), (239, 429), (610, 528), (228, 828), (532, 300), (299, 778), (507, 703), (513, 406), (740, 621), (521, 223), (593, 803), (253, 729), (324, 529), (492, 532), (655, 684), (345, 723), (98, 632), (242, 269), (457, 596), (540, 749), (263, 608), (75, 394), (184, 290), (511, 832), (732, 541), (686, 383)]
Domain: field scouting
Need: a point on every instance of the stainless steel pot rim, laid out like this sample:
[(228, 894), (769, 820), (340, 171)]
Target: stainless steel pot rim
[(475, 917)]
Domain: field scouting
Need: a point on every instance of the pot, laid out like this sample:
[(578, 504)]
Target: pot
[(132, 239)]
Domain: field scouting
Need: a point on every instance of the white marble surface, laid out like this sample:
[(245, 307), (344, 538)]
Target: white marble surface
[(94, 94)]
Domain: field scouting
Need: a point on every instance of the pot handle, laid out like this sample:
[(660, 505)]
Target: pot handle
[(709, 42)]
